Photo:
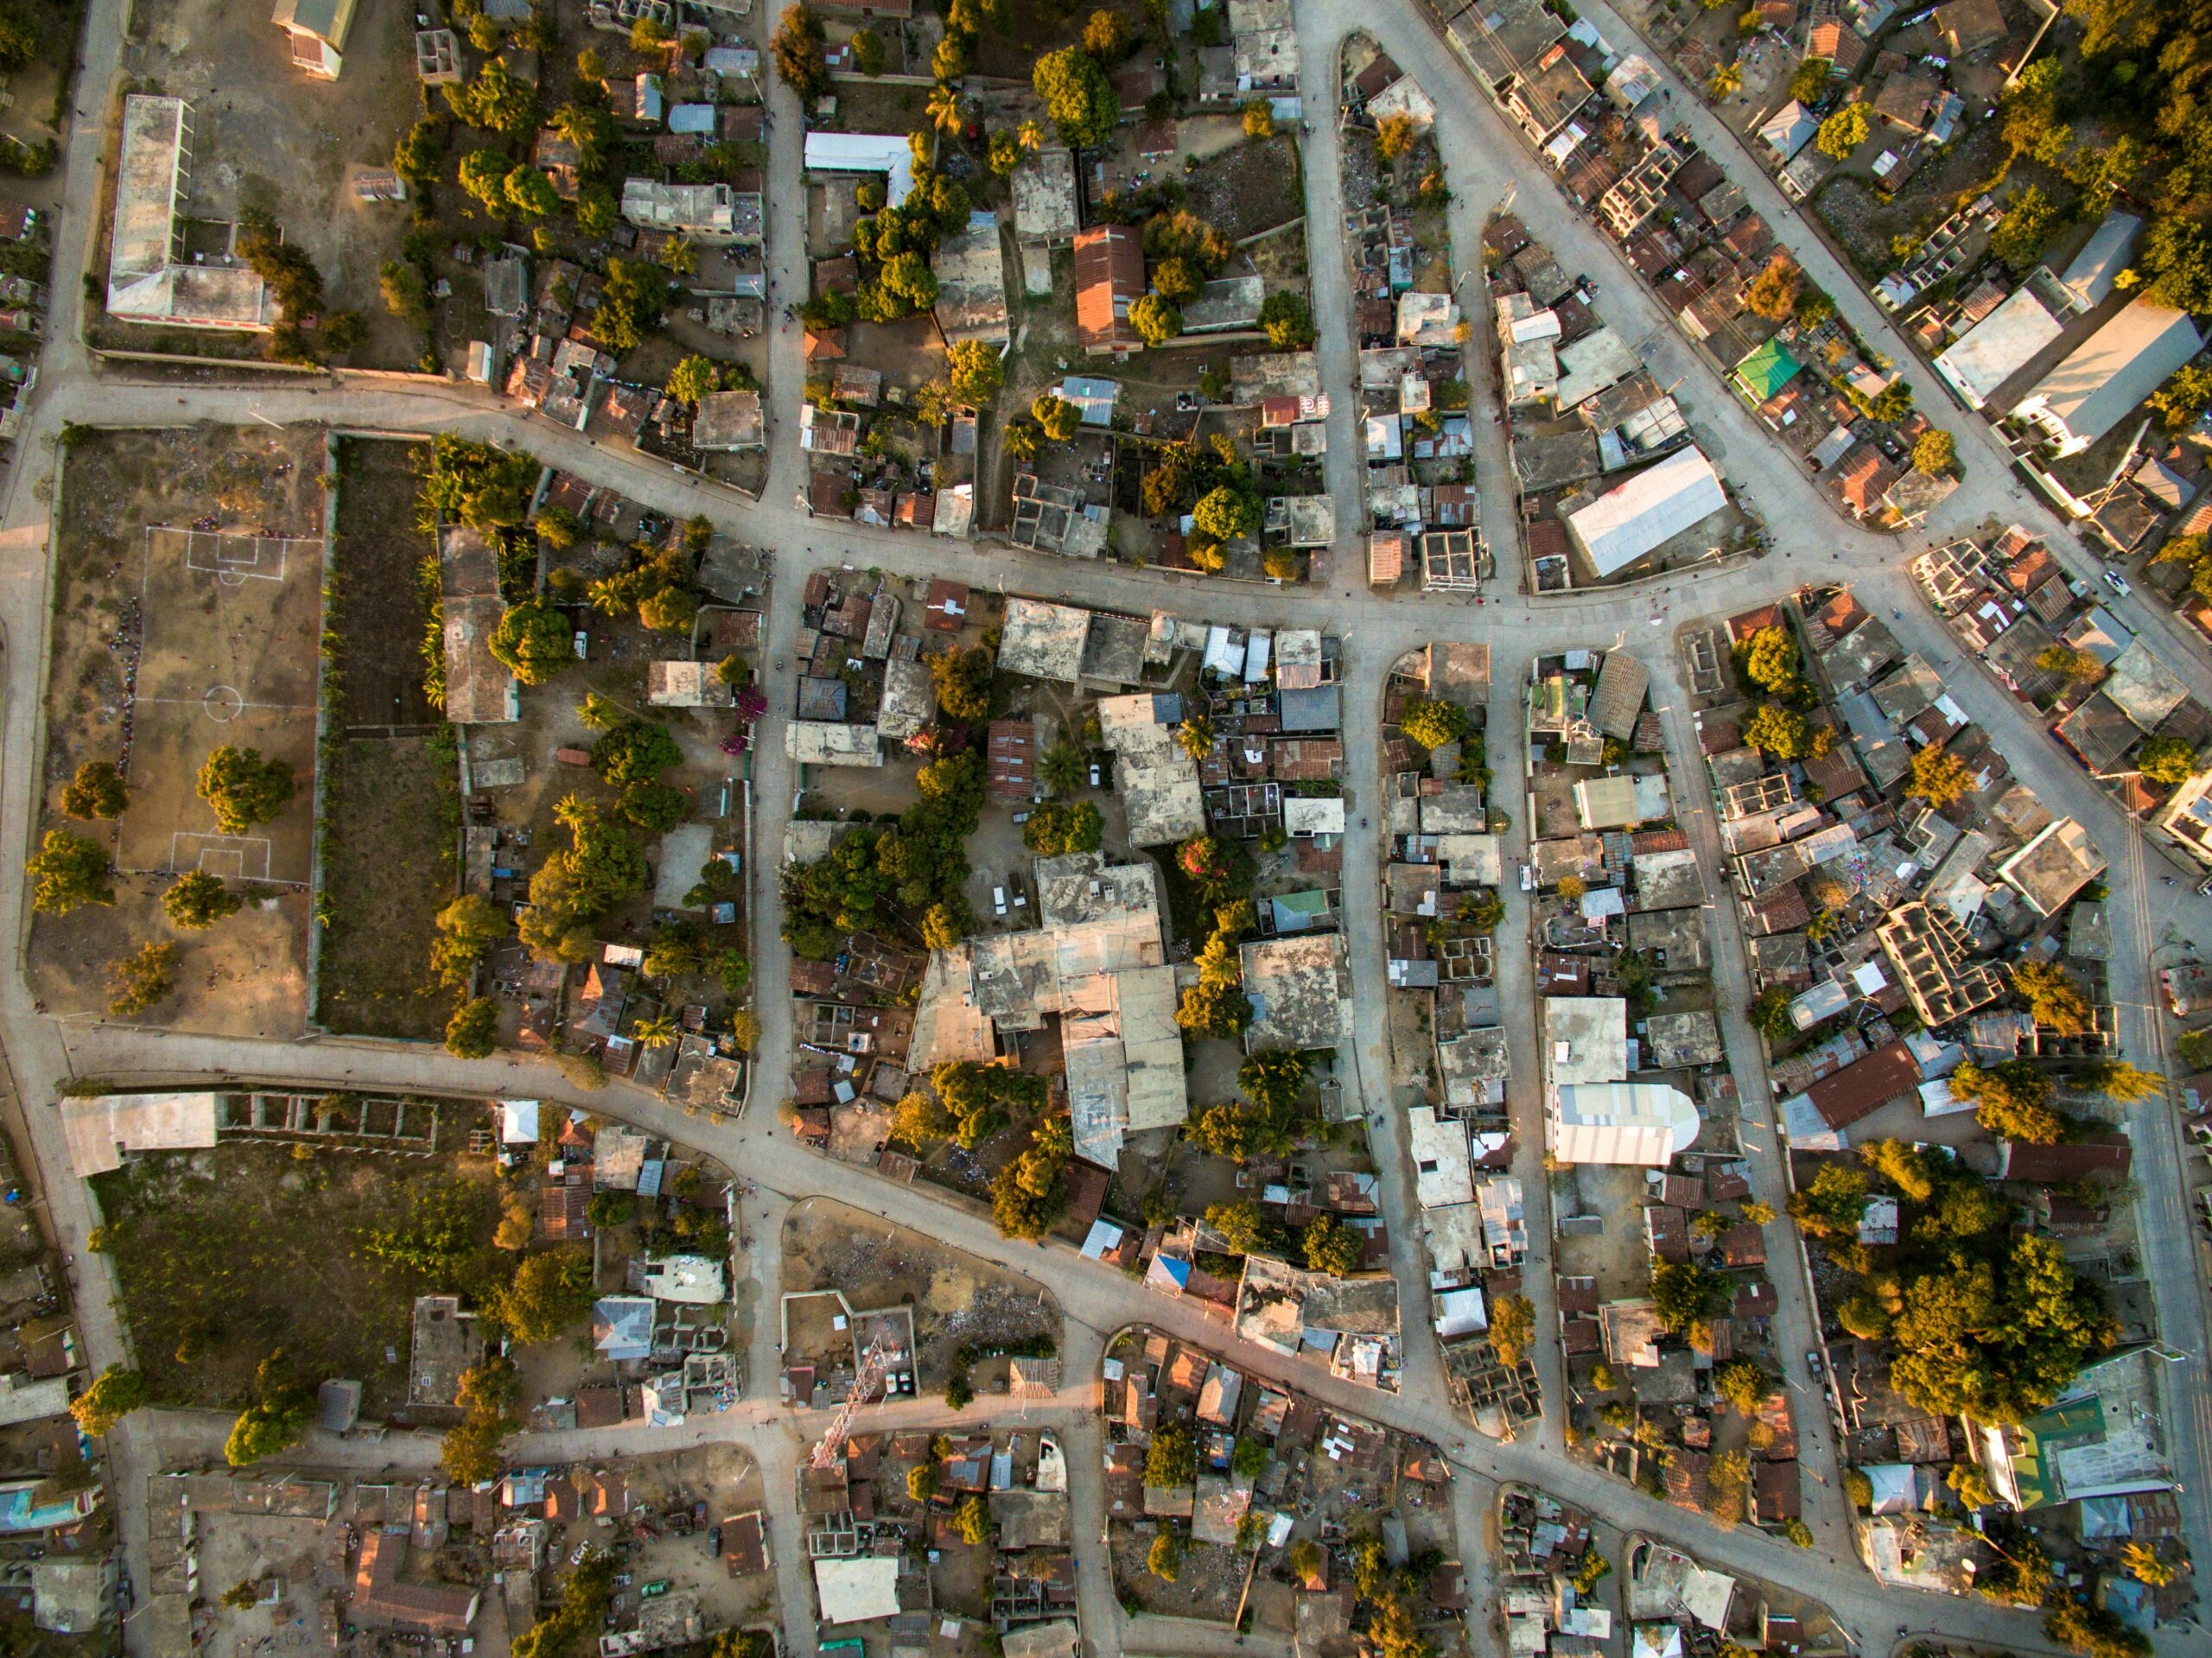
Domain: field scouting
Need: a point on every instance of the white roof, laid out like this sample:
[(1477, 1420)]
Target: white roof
[(822, 743), (1591, 364), (1323, 815), (1789, 130), (1443, 1175), (2102, 257), (518, 1122), (1998, 348), (854, 1591), (865, 152), (696, 1281), (1645, 1124), (2118, 367), (103, 1127), (1627, 522), (23, 1399), (1586, 1038)]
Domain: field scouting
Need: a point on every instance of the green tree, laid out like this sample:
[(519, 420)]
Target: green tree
[(1432, 722), (1156, 318), (530, 193), (1330, 1248), (1742, 1384), (1935, 452), (1056, 829), (962, 678), (975, 372), (972, 1519), (1030, 1193), (693, 378), (244, 788), (97, 791), (2117, 1079), (1164, 1559), (1106, 34), (2053, 996), (1215, 1010), (631, 302), (2164, 759), (113, 1395), (1831, 1204), (798, 48), (198, 900), (141, 978), (2185, 397), (2076, 666), (2028, 219), (1076, 96), (1060, 418), (922, 1481), (1997, 1340), (1684, 1293), (2011, 1100), (66, 871), (276, 1420), (533, 641), (240, 1596), (1843, 132), (472, 1032), (1227, 513), (1810, 83), (1938, 777), (1289, 320), (1259, 119), (2143, 1564), (1774, 729), (1771, 660), (466, 928), (548, 1293), (1773, 293), (1171, 1459), (1393, 136), (1770, 1013)]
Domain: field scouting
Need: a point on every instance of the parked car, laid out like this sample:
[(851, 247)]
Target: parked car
[(998, 900), (1813, 1363), (2118, 583)]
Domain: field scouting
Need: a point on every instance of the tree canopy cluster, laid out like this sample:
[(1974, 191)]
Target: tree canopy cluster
[(916, 869), (1030, 1192), (594, 872), (1982, 1321)]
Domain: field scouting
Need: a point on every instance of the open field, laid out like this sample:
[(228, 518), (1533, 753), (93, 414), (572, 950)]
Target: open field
[(392, 807), (227, 1255), (394, 813), (165, 646)]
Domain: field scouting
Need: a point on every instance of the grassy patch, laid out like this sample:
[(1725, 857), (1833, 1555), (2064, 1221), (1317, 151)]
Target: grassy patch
[(392, 810), (226, 1256)]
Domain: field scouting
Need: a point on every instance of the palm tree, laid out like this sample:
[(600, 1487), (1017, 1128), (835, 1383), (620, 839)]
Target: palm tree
[(680, 256), (585, 129), (947, 110), (1032, 135), (659, 1032), (1727, 81)]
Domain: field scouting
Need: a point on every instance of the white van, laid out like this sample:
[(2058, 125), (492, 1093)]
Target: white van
[(998, 900)]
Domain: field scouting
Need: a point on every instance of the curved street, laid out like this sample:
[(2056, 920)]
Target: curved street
[(1486, 164)]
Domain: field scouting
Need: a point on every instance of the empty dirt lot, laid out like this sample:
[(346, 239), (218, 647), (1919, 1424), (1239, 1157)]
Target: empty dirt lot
[(958, 1299)]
